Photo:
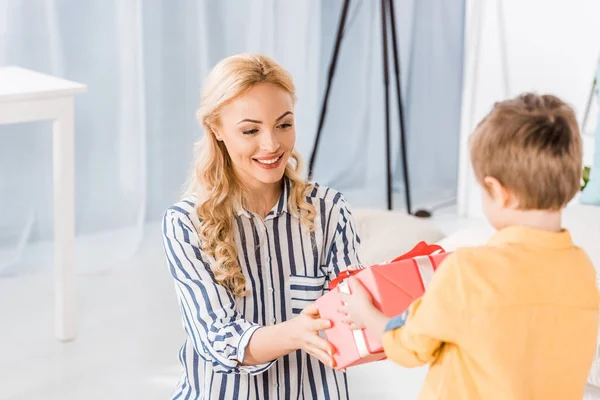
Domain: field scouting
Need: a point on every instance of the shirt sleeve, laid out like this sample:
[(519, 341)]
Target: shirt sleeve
[(343, 248), (210, 319), (415, 338)]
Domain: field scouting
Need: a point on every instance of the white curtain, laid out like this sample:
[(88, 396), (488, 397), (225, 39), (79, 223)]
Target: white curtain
[(144, 63)]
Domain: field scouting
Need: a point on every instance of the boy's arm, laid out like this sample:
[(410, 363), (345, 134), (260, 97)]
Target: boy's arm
[(414, 338)]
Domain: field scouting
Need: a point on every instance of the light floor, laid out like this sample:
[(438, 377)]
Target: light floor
[(128, 336)]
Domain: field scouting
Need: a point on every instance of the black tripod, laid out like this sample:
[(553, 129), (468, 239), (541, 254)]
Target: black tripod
[(387, 11)]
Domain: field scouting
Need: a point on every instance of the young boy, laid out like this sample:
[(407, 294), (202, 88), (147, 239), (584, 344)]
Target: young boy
[(517, 318)]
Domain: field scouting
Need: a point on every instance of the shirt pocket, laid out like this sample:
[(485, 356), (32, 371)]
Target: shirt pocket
[(304, 290)]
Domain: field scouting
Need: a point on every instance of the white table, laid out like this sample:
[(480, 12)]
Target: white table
[(27, 96)]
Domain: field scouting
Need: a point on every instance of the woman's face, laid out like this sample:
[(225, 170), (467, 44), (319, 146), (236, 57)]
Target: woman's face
[(258, 131)]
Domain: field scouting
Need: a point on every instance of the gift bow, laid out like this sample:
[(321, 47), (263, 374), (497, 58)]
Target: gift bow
[(421, 249)]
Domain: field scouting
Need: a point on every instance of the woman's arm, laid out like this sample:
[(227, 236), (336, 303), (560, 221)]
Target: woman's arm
[(209, 314), (232, 343)]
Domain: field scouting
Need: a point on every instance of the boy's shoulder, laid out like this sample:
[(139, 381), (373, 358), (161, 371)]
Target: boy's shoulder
[(472, 256), (499, 274), (469, 257), (488, 260), (489, 255), (475, 265)]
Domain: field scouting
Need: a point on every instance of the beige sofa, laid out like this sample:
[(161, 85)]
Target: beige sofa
[(386, 234)]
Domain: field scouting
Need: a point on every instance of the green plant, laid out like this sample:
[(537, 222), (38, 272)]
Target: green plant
[(586, 177)]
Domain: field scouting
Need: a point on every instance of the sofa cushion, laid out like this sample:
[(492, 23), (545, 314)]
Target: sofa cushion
[(387, 234)]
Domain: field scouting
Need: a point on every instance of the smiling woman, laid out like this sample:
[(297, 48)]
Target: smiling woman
[(259, 146), (252, 245)]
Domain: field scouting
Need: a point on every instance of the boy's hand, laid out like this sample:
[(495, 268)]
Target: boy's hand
[(358, 305)]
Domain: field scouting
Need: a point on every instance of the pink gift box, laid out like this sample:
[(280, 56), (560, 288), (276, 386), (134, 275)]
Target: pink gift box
[(393, 287)]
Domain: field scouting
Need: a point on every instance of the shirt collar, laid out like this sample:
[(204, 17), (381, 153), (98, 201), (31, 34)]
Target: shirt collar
[(277, 210), (532, 236)]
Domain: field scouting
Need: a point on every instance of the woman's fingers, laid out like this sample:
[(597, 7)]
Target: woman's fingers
[(311, 310), (321, 355), (321, 324), (320, 343)]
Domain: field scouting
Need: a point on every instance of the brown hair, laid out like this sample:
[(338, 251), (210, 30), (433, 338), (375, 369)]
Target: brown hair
[(531, 144), (213, 181)]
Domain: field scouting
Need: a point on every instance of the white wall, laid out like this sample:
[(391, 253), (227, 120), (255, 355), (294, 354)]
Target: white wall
[(552, 46)]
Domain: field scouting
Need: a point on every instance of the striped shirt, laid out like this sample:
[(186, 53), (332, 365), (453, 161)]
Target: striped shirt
[(286, 267)]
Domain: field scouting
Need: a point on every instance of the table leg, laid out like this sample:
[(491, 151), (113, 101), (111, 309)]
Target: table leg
[(64, 222)]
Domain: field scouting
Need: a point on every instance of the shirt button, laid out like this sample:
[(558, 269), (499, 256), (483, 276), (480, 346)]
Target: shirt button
[(271, 290), (273, 320), (275, 385)]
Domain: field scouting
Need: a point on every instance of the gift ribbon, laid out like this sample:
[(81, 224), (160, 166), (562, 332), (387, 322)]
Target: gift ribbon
[(421, 249), (426, 270), (343, 275)]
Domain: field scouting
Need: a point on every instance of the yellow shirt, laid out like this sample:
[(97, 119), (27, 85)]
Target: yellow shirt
[(516, 319)]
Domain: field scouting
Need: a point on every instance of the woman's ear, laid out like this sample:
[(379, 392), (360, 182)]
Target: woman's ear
[(500, 195), (216, 132)]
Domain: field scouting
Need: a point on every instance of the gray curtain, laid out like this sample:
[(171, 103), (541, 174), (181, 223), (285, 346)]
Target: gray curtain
[(430, 44), (144, 62)]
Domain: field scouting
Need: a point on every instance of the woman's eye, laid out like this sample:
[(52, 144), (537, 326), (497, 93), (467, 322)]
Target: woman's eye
[(285, 125), (250, 131)]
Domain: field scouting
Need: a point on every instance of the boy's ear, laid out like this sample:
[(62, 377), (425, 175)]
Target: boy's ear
[(500, 194)]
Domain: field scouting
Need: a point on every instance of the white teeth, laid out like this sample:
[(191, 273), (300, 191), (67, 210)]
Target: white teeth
[(271, 161)]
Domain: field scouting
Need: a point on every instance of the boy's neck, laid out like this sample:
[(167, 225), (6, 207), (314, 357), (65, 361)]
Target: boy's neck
[(538, 219)]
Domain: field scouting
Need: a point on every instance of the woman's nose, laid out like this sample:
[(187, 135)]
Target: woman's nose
[(269, 142)]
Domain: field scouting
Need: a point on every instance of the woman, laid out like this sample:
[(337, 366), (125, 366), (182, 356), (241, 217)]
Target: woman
[(253, 245)]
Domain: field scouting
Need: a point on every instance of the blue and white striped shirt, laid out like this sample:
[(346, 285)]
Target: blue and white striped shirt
[(286, 267)]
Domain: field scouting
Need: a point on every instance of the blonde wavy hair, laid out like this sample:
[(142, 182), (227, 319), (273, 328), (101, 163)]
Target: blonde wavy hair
[(213, 181)]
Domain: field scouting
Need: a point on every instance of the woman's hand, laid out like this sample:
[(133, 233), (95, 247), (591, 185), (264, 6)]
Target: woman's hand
[(358, 306), (305, 332)]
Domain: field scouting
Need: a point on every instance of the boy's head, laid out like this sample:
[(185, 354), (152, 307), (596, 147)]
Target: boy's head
[(527, 156)]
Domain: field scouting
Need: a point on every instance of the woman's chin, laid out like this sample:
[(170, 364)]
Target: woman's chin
[(270, 177)]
